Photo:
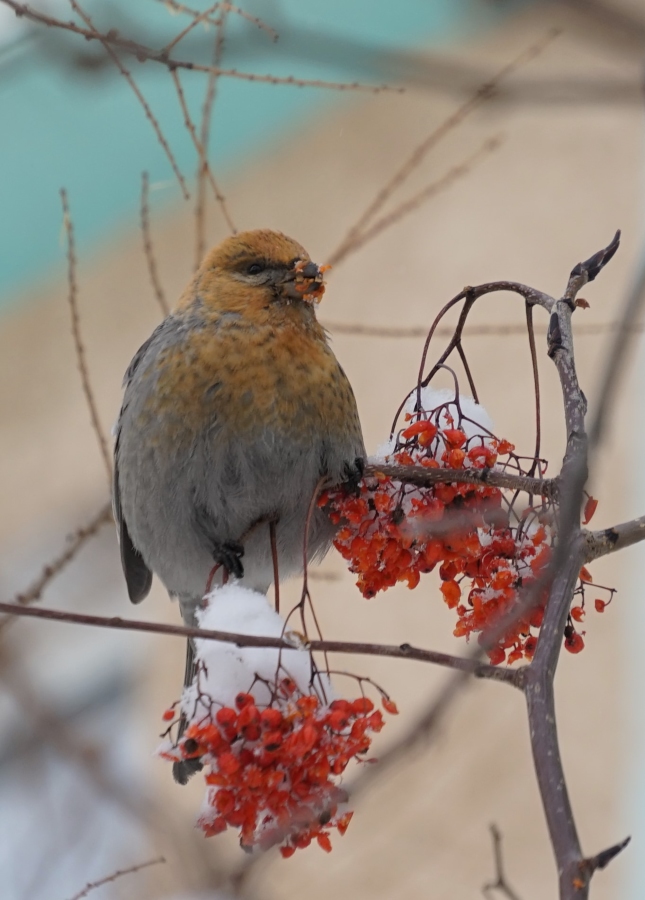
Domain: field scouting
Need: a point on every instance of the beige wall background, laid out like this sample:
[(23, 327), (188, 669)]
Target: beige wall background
[(564, 178)]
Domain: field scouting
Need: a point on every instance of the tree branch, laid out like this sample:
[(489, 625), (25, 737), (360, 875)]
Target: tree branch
[(112, 39), (92, 885), (608, 540), (569, 555), (403, 651), (422, 477), (51, 569)]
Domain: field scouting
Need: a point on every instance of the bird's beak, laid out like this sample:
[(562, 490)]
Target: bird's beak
[(305, 282)]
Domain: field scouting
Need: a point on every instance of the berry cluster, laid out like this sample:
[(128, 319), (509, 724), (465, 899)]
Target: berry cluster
[(272, 771), (485, 551)]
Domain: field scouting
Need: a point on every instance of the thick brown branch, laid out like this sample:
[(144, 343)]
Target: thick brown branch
[(422, 477), (404, 651)]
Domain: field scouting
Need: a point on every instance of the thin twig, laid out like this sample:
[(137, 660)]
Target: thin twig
[(150, 116), (536, 386), (204, 138), (402, 651), (72, 296), (481, 95), (431, 190), (92, 885), (142, 53), (617, 358), (147, 245), (254, 20), (200, 150), (197, 18), (358, 329), (80, 537), (500, 883)]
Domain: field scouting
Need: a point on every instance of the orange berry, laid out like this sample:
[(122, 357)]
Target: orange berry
[(454, 437), (451, 593), (573, 641), (496, 656), (590, 508)]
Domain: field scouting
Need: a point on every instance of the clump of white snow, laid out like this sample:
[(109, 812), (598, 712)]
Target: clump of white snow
[(226, 670), (476, 419)]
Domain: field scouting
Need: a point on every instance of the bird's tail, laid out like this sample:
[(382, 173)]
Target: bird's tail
[(183, 770)]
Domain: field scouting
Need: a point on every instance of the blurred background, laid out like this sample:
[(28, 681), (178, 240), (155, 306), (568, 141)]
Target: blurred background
[(535, 174)]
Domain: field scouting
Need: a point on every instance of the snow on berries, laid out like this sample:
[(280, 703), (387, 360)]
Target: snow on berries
[(485, 546), (272, 737)]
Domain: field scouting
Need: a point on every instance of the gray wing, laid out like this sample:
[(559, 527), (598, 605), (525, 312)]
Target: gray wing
[(138, 576)]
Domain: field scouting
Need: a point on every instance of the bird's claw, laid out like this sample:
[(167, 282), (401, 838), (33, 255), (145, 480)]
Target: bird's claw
[(229, 555), (185, 769), (353, 473)]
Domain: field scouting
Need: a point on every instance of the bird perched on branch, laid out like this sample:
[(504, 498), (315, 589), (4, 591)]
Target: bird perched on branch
[(234, 409)]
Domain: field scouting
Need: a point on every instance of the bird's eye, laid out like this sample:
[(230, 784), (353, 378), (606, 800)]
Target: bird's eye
[(254, 268)]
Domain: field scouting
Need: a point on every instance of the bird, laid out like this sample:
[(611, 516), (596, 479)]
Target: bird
[(234, 410)]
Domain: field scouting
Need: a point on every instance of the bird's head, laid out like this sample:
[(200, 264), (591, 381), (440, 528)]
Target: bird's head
[(258, 269)]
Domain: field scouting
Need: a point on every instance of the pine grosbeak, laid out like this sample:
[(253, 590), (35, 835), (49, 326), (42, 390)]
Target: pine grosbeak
[(233, 409)]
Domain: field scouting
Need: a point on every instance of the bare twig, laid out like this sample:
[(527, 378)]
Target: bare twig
[(200, 149), (150, 116), (230, 7), (92, 885), (481, 95), (500, 883), (403, 651), (602, 859), (72, 296), (617, 357), (431, 190), (204, 138), (358, 329), (197, 18), (142, 53), (80, 537), (147, 245)]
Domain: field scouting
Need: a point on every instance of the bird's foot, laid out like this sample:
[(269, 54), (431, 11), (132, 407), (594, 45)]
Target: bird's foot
[(353, 473), (185, 769), (229, 555)]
